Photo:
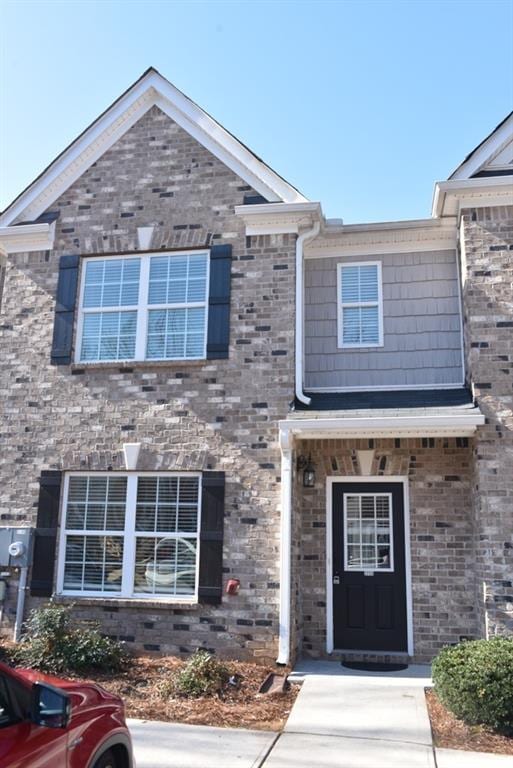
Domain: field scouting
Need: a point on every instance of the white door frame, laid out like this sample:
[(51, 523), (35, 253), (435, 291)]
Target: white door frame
[(330, 481)]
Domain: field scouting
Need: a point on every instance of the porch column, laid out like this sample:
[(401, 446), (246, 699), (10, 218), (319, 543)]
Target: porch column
[(286, 444)]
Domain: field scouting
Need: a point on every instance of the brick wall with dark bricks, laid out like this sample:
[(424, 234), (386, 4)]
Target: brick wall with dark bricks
[(487, 257), (217, 414)]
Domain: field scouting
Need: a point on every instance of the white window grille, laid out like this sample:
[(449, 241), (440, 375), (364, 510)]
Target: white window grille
[(149, 307), (129, 535)]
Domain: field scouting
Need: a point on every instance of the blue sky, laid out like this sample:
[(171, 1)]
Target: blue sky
[(361, 105)]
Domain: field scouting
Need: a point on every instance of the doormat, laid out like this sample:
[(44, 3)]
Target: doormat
[(374, 666)]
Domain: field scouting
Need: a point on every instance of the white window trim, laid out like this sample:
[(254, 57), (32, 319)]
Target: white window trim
[(142, 308), (349, 569), (128, 566), (340, 305)]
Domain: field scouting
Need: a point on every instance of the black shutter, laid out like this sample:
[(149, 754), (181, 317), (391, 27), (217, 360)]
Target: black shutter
[(211, 538), (43, 562), (218, 336), (65, 310)]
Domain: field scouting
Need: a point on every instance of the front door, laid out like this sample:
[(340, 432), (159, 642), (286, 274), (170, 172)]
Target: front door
[(369, 574)]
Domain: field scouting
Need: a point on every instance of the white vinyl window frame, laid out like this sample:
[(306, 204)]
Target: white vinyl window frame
[(130, 536), (143, 307), (370, 569), (359, 304)]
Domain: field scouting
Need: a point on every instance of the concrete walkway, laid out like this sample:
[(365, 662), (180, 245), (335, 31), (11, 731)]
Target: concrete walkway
[(175, 745), (348, 719)]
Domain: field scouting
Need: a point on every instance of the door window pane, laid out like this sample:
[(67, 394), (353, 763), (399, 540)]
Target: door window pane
[(368, 532)]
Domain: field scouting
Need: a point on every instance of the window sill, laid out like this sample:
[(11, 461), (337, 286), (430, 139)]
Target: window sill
[(123, 602), (124, 366)]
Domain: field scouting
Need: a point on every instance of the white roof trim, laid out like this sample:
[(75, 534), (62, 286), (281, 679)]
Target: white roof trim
[(27, 237), (278, 218), (441, 425), (451, 196), (152, 89), (382, 238), (486, 151)]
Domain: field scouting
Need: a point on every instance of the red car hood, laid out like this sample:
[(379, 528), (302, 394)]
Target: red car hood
[(83, 693)]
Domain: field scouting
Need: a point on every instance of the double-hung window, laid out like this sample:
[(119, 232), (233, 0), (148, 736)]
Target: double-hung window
[(130, 536), (360, 305), (148, 307)]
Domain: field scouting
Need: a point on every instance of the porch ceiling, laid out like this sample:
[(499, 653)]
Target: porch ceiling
[(407, 422)]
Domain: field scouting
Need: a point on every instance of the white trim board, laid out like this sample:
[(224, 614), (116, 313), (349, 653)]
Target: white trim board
[(450, 197), (486, 151), (460, 424), (387, 387), (150, 90), (330, 481), (28, 237)]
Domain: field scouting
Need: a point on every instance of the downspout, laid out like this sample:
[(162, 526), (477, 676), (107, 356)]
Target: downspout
[(285, 546), (300, 242), (286, 443)]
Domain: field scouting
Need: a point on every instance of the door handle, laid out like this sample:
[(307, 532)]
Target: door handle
[(336, 579)]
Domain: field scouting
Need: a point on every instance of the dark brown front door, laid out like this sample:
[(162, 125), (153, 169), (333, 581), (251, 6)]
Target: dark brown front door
[(369, 575)]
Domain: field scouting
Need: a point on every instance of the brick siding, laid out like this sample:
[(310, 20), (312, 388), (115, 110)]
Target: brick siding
[(218, 414), (488, 305)]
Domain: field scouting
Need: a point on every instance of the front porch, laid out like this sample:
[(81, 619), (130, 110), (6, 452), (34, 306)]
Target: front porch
[(382, 546)]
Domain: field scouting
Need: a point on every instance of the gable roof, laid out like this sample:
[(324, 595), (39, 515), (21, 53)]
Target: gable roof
[(151, 89), (492, 157)]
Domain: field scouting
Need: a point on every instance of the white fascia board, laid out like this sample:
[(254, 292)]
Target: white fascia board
[(380, 226), (488, 149), (151, 90), (278, 218), (27, 237), (446, 425), (75, 160), (451, 196), (386, 237)]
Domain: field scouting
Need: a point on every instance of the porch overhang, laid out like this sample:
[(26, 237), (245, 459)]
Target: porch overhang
[(386, 425)]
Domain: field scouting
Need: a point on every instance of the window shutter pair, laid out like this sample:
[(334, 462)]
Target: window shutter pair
[(218, 334), (211, 536)]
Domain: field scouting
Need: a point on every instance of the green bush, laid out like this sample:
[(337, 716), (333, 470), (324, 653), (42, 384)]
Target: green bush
[(54, 643), (203, 675), (475, 681)]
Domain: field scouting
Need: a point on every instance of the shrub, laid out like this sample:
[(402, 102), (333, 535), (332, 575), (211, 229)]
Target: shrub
[(475, 681), (203, 675), (54, 643)]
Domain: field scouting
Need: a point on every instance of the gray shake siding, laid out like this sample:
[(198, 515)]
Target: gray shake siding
[(422, 331)]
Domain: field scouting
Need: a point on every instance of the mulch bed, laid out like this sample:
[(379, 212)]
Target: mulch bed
[(452, 733), (237, 707)]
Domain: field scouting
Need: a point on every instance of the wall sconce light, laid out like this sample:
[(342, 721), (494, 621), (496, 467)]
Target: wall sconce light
[(308, 467)]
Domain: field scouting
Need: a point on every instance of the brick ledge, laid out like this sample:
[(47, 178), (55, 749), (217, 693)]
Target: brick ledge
[(106, 602)]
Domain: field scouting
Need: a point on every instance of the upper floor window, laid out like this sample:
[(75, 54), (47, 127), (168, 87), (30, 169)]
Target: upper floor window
[(150, 307), (360, 305)]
